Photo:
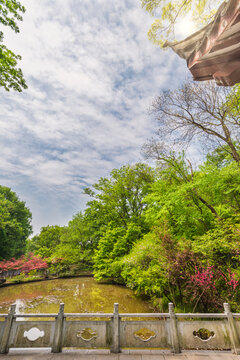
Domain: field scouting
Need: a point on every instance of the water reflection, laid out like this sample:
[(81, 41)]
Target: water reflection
[(79, 295)]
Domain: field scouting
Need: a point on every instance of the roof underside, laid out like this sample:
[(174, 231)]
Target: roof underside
[(214, 51)]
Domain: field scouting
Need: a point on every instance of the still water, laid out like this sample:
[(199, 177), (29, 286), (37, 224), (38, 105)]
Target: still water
[(78, 294)]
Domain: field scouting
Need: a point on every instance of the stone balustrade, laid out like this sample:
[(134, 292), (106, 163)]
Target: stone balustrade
[(115, 331)]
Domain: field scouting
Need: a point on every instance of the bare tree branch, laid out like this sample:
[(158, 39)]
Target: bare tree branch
[(198, 111)]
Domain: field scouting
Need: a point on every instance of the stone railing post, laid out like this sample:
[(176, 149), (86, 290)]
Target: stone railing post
[(174, 330), (232, 330), (7, 330), (116, 330), (57, 340)]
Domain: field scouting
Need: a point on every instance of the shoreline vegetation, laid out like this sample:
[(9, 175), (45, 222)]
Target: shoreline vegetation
[(10, 283)]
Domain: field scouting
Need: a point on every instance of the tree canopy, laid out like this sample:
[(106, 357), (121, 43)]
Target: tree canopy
[(45, 243), (15, 224), (11, 77)]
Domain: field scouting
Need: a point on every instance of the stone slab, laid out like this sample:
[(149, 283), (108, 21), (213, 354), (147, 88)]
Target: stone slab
[(87, 355), (153, 357), (130, 357)]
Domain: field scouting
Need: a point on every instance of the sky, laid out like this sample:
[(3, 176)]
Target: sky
[(92, 75)]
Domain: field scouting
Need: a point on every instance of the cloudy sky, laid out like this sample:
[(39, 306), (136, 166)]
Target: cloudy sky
[(91, 74)]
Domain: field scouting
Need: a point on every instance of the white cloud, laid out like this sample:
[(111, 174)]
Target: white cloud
[(92, 74)]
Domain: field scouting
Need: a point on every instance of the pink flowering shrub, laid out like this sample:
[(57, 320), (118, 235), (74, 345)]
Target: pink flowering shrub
[(210, 286), (24, 264)]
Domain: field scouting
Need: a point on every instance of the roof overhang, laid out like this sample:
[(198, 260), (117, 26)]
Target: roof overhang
[(214, 51)]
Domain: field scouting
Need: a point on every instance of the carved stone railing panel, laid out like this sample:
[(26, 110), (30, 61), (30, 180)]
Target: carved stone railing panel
[(145, 334), (86, 334), (31, 334), (190, 335)]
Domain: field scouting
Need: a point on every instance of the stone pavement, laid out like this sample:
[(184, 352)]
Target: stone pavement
[(125, 355)]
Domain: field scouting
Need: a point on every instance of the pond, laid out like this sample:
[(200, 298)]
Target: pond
[(79, 295)]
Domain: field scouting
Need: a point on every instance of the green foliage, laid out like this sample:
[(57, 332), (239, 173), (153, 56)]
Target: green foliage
[(18, 279), (116, 243), (76, 245), (221, 156), (58, 265), (11, 77), (119, 209), (177, 198), (15, 224), (104, 257), (158, 266), (119, 198), (45, 243), (21, 278), (142, 270), (220, 245), (191, 202)]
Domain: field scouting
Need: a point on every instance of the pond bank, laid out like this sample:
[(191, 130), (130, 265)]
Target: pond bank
[(8, 283)]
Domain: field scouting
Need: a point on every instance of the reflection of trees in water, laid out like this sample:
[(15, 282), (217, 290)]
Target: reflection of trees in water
[(98, 300), (78, 294)]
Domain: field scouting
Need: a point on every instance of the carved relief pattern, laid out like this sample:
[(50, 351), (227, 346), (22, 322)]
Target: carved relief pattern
[(33, 334), (87, 334), (204, 334), (144, 334)]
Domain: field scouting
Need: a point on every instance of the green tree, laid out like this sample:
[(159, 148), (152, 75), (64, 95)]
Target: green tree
[(113, 245), (15, 224), (169, 12), (181, 197), (76, 245), (220, 245), (119, 199), (118, 213), (11, 77), (45, 242)]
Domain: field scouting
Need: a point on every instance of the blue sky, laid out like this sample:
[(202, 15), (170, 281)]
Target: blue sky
[(92, 75)]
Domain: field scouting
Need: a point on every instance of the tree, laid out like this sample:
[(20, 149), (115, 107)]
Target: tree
[(45, 243), (118, 213), (15, 224), (119, 199), (193, 202), (202, 112), (169, 12), (181, 197), (11, 77), (76, 245)]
